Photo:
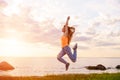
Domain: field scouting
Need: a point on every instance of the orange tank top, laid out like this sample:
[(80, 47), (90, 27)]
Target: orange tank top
[(64, 41)]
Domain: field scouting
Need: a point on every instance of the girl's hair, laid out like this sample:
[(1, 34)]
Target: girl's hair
[(71, 30)]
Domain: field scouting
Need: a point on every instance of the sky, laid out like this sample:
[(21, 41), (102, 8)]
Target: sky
[(32, 28)]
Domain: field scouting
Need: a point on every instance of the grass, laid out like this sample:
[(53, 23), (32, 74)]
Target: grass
[(103, 76)]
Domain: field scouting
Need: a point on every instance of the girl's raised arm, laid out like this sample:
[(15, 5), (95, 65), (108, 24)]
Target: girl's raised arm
[(66, 25)]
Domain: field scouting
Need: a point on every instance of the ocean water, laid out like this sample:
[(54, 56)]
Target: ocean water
[(40, 66)]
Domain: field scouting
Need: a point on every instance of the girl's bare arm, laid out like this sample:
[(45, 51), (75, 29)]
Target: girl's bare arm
[(66, 25)]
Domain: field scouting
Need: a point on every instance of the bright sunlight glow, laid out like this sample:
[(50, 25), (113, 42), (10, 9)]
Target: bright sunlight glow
[(11, 46)]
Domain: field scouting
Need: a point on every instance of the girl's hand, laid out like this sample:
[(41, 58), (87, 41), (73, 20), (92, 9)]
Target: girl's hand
[(68, 17)]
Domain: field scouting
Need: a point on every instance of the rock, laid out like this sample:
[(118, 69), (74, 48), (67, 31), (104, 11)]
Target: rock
[(109, 68), (91, 67), (6, 66), (98, 67), (118, 67), (101, 67)]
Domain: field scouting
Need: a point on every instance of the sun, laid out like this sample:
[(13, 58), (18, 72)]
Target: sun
[(11, 47), (11, 42)]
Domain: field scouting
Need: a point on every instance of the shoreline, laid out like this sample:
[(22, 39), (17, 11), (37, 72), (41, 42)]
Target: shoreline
[(91, 76)]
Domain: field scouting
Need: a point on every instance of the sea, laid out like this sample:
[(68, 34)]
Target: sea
[(41, 66)]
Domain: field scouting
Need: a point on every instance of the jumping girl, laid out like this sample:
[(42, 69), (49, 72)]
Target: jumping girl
[(65, 41)]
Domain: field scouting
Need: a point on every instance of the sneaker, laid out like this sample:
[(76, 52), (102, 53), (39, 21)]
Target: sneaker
[(67, 66), (75, 47)]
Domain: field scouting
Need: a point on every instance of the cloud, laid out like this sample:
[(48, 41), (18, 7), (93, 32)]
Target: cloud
[(105, 44), (103, 19), (50, 36), (117, 48), (83, 47), (91, 32), (103, 24), (114, 34), (84, 38), (104, 28), (80, 37), (115, 3), (3, 3), (32, 31), (25, 28)]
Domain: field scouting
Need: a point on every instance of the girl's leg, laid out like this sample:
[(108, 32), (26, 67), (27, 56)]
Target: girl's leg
[(60, 55), (73, 56)]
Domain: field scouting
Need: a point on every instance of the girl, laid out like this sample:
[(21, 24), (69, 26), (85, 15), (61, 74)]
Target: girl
[(65, 41)]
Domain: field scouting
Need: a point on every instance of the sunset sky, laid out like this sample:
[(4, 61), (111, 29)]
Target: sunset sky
[(32, 28)]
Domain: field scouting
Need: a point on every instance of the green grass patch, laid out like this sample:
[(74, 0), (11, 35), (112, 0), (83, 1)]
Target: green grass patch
[(103, 76)]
